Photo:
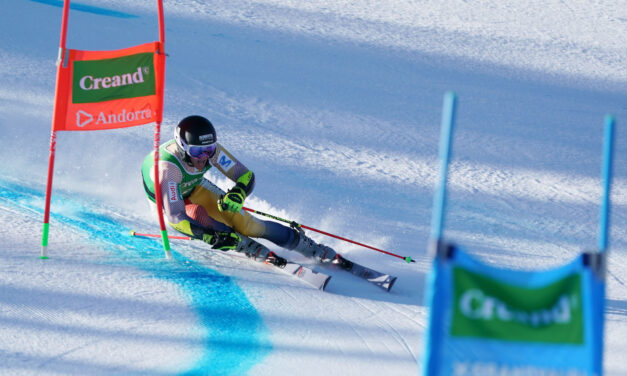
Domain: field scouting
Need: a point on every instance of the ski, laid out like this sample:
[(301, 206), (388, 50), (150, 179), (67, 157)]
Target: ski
[(312, 278), (384, 281), (261, 253)]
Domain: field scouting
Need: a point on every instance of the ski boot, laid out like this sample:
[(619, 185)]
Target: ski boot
[(253, 249), (342, 262), (276, 260), (309, 248)]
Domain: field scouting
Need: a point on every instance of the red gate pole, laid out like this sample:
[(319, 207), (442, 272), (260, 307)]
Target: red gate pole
[(158, 197), (53, 134)]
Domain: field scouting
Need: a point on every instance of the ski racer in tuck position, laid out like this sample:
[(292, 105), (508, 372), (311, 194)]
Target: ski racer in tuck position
[(195, 206)]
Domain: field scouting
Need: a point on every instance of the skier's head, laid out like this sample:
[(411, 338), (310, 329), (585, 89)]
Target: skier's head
[(196, 139)]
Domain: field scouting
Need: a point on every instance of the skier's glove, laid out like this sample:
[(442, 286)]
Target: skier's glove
[(233, 200), (222, 240)]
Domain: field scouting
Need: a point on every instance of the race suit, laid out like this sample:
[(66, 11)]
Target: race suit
[(183, 187)]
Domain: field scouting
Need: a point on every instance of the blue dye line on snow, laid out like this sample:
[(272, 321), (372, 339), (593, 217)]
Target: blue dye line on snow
[(88, 8), (235, 338)]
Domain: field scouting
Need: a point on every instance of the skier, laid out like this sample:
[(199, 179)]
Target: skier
[(196, 207)]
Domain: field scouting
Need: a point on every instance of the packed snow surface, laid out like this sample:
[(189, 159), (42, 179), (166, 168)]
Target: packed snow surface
[(335, 105)]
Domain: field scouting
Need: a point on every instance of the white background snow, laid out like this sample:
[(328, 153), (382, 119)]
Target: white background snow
[(335, 105)]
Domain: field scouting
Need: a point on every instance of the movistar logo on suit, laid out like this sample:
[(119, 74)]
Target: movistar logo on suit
[(225, 162), (487, 308), (118, 78)]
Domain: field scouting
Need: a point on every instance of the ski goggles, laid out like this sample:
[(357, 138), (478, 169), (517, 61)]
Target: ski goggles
[(200, 151)]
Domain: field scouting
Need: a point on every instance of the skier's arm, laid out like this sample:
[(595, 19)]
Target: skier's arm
[(174, 212), (233, 169), (222, 240), (170, 178), (244, 179)]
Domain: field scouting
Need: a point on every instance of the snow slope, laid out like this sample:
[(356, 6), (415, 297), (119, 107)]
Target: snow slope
[(336, 107)]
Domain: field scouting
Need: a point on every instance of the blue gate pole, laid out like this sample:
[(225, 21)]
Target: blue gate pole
[(430, 366), (608, 151), (446, 132)]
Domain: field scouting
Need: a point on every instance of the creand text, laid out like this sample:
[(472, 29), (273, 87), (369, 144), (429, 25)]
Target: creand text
[(476, 305), (91, 83)]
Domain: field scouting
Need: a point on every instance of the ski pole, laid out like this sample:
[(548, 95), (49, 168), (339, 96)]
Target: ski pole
[(133, 233), (407, 259)]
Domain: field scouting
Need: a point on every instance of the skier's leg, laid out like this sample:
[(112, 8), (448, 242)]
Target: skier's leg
[(308, 247), (207, 195), (199, 214)]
